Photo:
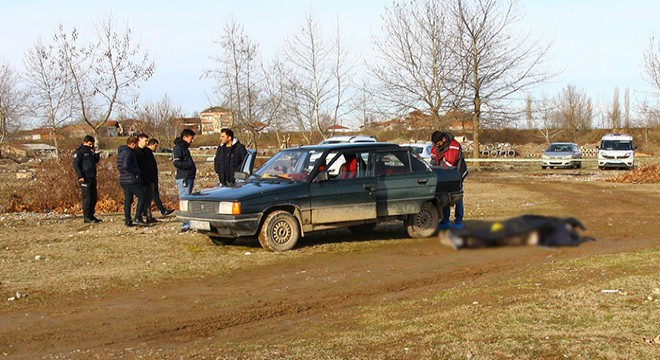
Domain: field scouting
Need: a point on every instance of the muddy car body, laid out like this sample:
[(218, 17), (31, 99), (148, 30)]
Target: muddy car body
[(293, 193)]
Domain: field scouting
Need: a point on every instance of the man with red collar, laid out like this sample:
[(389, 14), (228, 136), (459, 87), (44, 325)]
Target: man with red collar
[(447, 151)]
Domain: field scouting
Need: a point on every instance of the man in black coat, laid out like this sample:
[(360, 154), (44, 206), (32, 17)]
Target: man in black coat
[(229, 157), (85, 159), (143, 156), (130, 181), (152, 145)]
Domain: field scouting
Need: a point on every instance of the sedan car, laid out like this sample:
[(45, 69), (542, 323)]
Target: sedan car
[(294, 193), (561, 155)]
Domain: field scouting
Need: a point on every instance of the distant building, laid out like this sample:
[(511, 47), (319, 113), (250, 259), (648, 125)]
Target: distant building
[(194, 124), (339, 129), (34, 134), (131, 127), (215, 118), (76, 131)]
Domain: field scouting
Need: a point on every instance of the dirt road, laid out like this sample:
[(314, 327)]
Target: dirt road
[(194, 311)]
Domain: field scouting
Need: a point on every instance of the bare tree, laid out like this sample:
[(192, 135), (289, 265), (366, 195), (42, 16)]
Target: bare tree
[(49, 80), (529, 110), (317, 79), (161, 118), (414, 67), (615, 111), (11, 101), (545, 119), (652, 64), (573, 110), (496, 63), (239, 81), (106, 73)]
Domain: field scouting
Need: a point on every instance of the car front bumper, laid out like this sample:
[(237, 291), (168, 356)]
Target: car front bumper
[(231, 226), (616, 163), (560, 162)]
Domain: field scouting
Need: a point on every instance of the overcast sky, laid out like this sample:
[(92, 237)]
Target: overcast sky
[(597, 45)]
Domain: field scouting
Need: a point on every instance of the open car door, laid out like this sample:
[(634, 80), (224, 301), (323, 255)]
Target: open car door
[(247, 168)]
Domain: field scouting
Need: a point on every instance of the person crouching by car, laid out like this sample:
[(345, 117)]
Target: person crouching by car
[(447, 151), (229, 157), (185, 167), (130, 181), (84, 164)]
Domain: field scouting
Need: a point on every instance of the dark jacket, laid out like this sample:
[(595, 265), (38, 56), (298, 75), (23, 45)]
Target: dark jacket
[(151, 166), (183, 162), (84, 162), (229, 160), (141, 159), (129, 172)]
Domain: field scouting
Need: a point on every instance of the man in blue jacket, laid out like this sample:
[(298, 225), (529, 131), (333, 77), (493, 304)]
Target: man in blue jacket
[(185, 167), (130, 181), (84, 163)]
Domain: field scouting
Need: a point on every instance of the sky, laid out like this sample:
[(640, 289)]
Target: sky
[(596, 45)]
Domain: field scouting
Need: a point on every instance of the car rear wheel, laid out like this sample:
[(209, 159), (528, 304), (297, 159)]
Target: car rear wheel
[(220, 241), (424, 223), (279, 232), (543, 167)]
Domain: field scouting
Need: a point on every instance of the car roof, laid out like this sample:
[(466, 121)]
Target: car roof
[(349, 138), (347, 146), (563, 143)]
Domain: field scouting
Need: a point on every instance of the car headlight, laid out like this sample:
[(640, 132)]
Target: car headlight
[(628, 154), (544, 156), (183, 205), (568, 157), (229, 208)]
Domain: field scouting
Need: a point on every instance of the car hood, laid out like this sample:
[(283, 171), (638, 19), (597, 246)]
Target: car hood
[(247, 190)]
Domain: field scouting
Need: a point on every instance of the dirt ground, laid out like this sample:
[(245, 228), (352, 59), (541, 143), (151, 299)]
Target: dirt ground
[(104, 291)]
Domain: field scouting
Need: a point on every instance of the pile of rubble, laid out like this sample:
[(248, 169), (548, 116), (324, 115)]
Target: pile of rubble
[(647, 174)]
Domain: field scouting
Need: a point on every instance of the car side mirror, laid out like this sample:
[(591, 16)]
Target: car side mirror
[(240, 175), (322, 176)]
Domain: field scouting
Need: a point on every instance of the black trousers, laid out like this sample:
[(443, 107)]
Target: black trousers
[(131, 190), (156, 197), (148, 196), (89, 197)]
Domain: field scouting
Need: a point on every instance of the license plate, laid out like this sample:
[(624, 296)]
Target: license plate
[(200, 225)]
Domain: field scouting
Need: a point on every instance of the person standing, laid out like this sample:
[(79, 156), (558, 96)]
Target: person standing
[(85, 159), (152, 145), (185, 167), (447, 151), (130, 181), (229, 157), (146, 176)]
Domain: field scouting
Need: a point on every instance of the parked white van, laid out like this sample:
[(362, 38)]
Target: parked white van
[(616, 151)]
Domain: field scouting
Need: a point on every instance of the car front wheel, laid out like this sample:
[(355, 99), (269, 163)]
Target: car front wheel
[(279, 232), (424, 223)]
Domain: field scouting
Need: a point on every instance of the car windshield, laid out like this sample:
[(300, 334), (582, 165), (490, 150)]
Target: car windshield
[(559, 148), (616, 145), (293, 165)]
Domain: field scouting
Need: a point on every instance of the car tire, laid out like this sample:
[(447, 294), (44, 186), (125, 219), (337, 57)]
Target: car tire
[(543, 167), (221, 241), (362, 229), (424, 223), (279, 231), (578, 166)]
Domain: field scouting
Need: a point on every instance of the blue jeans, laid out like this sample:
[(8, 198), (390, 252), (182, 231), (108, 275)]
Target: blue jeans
[(458, 213), (185, 190)]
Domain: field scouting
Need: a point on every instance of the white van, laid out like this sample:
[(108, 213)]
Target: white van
[(616, 151)]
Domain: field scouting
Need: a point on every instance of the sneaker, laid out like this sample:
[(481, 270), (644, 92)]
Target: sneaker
[(97, 220), (140, 222), (166, 212), (458, 225), (88, 221), (152, 221), (130, 224)]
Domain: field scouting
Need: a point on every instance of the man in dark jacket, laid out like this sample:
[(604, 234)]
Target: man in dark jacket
[(447, 151), (130, 181), (229, 157), (144, 155), (185, 166), (152, 145), (84, 163)]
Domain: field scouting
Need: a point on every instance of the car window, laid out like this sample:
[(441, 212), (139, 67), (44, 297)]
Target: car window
[(395, 162), (348, 165)]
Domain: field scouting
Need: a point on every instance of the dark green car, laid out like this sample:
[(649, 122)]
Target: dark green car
[(322, 187)]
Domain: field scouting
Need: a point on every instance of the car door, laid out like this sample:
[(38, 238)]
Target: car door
[(347, 196), (403, 182)]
